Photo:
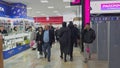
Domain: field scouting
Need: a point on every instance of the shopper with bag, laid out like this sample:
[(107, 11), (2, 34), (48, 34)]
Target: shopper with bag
[(88, 36), (39, 40)]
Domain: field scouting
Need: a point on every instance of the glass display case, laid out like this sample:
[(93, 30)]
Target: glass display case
[(12, 41), (17, 38)]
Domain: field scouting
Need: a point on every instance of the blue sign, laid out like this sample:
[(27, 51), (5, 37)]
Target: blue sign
[(3, 10), (14, 10), (18, 10)]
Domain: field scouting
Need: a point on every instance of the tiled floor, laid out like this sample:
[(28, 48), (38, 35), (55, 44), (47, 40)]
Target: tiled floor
[(28, 59), (98, 64)]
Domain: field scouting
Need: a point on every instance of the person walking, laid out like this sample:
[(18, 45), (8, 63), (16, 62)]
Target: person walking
[(39, 40), (73, 38), (77, 35), (56, 34), (88, 38), (48, 38), (64, 39)]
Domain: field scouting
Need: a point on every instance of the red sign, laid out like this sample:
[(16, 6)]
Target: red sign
[(53, 20)]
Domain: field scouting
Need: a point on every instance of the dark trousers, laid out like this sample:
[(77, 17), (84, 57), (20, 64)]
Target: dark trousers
[(75, 42), (61, 50), (47, 50), (71, 51), (39, 48)]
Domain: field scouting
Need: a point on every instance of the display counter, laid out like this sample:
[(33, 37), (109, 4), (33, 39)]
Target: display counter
[(15, 43)]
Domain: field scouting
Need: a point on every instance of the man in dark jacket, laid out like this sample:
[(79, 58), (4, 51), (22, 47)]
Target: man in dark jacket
[(73, 38), (48, 39), (77, 34), (88, 36), (64, 39)]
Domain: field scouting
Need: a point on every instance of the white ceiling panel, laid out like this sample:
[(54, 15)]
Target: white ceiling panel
[(36, 8)]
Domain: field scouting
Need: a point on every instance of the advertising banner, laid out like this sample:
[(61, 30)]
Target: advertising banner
[(75, 2), (18, 10), (110, 6), (4, 10), (87, 11), (54, 20)]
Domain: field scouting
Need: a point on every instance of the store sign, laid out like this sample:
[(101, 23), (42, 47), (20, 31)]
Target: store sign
[(87, 11), (110, 6), (2, 9), (75, 2), (54, 20)]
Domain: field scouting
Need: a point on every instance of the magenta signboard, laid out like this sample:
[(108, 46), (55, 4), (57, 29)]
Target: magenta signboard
[(75, 2), (87, 11), (110, 6)]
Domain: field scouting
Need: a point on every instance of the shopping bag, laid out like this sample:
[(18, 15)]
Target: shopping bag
[(88, 50)]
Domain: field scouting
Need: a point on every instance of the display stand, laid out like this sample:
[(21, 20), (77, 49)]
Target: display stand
[(1, 53)]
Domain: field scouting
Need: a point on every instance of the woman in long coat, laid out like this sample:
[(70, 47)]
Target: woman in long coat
[(64, 39)]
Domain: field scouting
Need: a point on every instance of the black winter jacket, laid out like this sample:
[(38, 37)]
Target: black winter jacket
[(88, 36)]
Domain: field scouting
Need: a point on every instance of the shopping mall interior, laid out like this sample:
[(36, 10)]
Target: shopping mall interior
[(20, 20)]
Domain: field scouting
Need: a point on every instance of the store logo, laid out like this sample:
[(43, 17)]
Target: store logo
[(110, 6), (2, 9)]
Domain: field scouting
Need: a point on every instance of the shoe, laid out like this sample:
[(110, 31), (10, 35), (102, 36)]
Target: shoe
[(71, 59), (61, 57), (89, 57), (48, 60), (45, 56), (85, 61), (65, 60)]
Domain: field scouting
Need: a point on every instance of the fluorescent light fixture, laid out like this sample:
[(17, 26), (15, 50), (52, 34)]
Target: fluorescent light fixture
[(58, 14), (44, 1), (55, 11), (37, 11), (50, 7), (66, 0), (29, 8), (67, 6), (43, 14)]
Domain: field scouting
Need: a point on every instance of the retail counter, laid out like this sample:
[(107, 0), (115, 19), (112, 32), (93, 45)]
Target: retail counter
[(15, 43)]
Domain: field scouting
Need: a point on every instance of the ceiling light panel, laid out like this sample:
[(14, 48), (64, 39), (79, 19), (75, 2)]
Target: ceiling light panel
[(50, 7), (44, 1), (55, 11), (66, 0), (37, 11), (29, 8), (67, 6)]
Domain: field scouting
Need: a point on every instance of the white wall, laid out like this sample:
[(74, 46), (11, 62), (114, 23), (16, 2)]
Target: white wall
[(96, 7)]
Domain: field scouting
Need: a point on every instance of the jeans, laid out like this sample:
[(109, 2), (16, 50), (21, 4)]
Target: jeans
[(47, 50), (87, 54)]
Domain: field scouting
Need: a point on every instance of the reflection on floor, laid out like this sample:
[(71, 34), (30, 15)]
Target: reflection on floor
[(28, 59)]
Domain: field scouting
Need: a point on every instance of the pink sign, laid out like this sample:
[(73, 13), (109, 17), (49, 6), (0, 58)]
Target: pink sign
[(75, 2), (87, 11), (110, 6)]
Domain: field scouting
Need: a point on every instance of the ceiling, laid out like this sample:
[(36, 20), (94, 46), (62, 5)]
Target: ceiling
[(36, 8)]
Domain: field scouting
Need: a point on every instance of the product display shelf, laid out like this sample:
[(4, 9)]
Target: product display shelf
[(14, 44)]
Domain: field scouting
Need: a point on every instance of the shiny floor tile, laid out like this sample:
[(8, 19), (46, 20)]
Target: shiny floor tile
[(29, 59)]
